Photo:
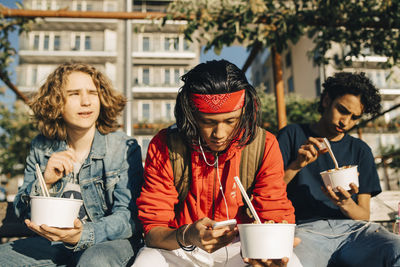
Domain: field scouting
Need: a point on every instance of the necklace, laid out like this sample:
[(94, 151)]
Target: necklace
[(204, 156)]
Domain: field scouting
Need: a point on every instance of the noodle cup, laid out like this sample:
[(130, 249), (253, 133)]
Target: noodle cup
[(55, 211), (340, 177), (266, 241)]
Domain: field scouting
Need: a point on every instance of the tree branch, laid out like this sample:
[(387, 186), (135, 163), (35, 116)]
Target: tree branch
[(14, 88)]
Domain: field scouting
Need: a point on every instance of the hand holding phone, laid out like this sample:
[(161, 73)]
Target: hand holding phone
[(231, 223)]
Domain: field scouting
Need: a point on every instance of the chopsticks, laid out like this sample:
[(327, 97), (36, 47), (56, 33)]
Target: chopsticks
[(246, 198), (42, 183)]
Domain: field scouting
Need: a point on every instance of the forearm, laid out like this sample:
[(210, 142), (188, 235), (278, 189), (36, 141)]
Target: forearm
[(355, 212), (163, 237), (290, 172)]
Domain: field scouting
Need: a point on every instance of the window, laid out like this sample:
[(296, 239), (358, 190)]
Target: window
[(56, 42), (380, 80), (146, 44), (77, 43), (168, 111), (288, 60), (88, 44), (78, 7), (89, 7), (167, 79), (176, 76), (145, 112), (46, 43), (186, 45), (145, 146), (176, 43), (166, 44), (36, 42), (146, 76), (290, 84), (34, 76), (171, 44)]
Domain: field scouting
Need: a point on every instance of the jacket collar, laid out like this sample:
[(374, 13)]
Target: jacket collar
[(232, 150), (97, 151), (99, 146)]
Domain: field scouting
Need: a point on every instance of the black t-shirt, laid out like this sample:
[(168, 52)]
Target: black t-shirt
[(304, 190)]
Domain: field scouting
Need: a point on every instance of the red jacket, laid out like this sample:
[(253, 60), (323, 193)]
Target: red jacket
[(158, 197)]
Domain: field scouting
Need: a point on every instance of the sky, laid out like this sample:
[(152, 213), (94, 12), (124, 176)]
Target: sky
[(235, 54), (9, 96)]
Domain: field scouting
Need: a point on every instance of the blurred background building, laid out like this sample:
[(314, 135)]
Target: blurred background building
[(159, 56)]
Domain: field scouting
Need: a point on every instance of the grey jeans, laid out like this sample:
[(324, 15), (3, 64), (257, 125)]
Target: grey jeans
[(38, 251), (346, 243)]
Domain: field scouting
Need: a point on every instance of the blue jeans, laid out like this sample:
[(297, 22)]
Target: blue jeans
[(38, 251), (346, 243)]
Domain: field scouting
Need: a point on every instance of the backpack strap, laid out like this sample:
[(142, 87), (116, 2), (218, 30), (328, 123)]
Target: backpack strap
[(251, 160), (180, 157)]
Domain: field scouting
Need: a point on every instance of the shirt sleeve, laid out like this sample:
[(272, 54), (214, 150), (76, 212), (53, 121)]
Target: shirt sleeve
[(270, 198), (286, 145), (159, 196)]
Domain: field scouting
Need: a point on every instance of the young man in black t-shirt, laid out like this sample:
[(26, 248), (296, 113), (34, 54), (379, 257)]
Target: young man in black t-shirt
[(334, 227)]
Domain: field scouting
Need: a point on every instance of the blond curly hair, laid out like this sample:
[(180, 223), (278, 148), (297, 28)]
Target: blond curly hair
[(48, 103)]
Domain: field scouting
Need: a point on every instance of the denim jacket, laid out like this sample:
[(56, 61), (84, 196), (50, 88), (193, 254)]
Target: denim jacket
[(110, 180)]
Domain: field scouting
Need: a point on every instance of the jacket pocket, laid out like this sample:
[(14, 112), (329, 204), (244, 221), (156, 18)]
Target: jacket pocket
[(101, 192)]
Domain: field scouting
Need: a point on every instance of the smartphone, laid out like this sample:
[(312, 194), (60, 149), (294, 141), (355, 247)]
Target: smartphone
[(231, 223)]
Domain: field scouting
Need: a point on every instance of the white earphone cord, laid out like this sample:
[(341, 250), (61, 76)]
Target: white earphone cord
[(215, 164)]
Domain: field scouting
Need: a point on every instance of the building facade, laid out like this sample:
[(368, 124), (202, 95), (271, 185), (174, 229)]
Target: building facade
[(159, 55)]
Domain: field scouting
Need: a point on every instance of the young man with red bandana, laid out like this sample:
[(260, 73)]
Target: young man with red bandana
[(217, 114)]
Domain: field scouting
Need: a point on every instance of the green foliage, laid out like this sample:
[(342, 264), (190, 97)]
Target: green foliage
[(16, 134), (361, 27), (298, 110), (7, 51), (16, 128)]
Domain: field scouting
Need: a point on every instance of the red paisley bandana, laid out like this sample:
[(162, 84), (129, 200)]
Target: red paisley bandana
[(219, 103)]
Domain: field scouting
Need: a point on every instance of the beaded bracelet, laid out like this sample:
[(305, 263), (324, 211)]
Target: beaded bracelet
[(185, 248)]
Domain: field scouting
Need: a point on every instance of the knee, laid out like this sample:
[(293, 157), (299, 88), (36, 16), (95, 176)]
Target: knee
[(149, 257), (93, 258), (103, 255)]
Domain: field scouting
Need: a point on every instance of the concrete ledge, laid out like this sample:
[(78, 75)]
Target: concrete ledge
[(385, 206)]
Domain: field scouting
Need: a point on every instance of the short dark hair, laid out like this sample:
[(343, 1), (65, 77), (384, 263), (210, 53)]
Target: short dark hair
[(216, 77), (357, 84)]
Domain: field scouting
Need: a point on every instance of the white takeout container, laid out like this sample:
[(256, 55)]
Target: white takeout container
[(341, 177), (55, 211), (267, 241)]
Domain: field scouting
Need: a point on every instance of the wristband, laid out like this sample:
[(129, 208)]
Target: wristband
[(182, 246)]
